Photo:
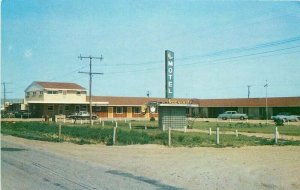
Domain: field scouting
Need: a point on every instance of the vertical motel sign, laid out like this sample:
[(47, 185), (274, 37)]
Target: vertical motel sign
[(169, 73)]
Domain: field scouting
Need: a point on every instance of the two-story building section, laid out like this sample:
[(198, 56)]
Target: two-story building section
[(54, 98), (49, 98)]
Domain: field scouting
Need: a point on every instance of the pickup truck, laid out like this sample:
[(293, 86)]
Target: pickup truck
[(81, 115), (284, 116), (233, 115)]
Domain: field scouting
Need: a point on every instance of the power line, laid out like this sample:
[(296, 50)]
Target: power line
[(246, 55), (68, 73), (212, 54), (250, 48), (222, 52), (90, 82), (215, 61)]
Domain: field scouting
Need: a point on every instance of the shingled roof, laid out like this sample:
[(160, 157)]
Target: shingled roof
[(235, 102), (250, 102), (60, 85)]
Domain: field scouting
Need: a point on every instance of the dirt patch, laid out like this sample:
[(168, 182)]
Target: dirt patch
[(264, 167)]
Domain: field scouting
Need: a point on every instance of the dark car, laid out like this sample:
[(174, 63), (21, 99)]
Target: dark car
[(22, 114)]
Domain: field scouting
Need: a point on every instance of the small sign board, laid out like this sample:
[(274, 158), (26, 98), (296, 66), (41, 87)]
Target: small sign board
[(152, 107), (60, 118)]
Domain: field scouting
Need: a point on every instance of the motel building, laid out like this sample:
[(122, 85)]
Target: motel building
[(59, 98), (53, 98)]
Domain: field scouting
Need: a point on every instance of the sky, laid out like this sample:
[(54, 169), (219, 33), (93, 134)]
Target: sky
[(219, 47)]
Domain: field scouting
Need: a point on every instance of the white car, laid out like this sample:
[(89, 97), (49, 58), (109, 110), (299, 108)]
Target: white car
[(284, 116), (82, 115), (233, 115)]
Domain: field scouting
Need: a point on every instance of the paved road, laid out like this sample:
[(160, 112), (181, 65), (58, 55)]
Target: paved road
[(30, 168)]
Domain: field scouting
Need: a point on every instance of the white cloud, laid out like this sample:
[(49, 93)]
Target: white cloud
[(28, 53)]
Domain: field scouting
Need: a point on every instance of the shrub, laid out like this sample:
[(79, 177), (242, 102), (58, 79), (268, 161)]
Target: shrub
[(108, 140), (279, 122)]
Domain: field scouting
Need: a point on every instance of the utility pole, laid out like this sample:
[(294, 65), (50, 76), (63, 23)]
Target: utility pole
[(148, 94), (90, 83), (4, 93), (266, 86), (248, 90)]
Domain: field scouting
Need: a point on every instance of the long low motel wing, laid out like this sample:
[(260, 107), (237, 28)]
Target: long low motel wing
[(52, 98)]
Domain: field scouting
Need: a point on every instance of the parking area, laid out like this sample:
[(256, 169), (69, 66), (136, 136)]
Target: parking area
[(254, 121)]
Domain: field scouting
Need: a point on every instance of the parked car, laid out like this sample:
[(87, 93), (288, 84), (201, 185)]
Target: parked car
[(285, 116), (81, 115), (72, 115), (233, 115), (22, 114)]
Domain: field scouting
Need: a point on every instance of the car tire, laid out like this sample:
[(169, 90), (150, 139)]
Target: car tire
[(242, 118)]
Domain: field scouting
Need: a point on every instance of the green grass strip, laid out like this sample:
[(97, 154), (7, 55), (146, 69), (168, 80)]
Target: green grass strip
[(84, 134)]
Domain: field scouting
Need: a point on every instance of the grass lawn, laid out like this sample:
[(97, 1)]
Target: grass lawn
[(84, 134), (248, 127)]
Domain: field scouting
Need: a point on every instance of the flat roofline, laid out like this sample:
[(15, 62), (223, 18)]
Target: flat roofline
[(61, 102)]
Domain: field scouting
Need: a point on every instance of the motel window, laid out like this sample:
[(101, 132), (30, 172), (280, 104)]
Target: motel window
[(52, 92), (83, 108), (60, 92), (50, 107), (104, 109), (41, 92), (136, 109), (60, 109), (33, 93), (96, 108), (83, 92), (99, 109), (66, 107), (27, 93), (78, 92), (77, 108), (64, 92), (119, 110)]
